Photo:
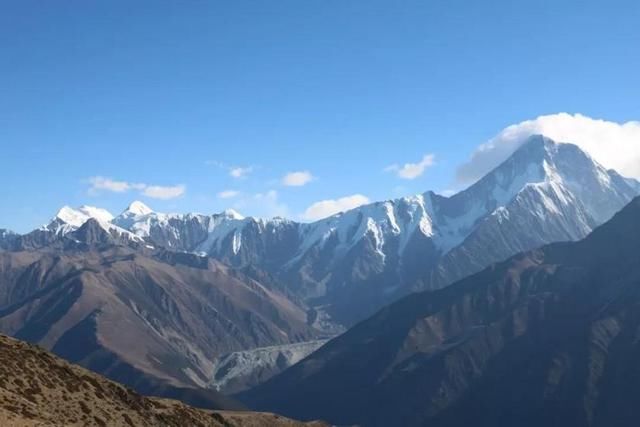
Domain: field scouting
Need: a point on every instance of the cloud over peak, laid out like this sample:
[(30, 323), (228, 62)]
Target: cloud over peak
[(412, 170), (325, 208), (614, 145), (107, 184), (164, 193), (100, 183)]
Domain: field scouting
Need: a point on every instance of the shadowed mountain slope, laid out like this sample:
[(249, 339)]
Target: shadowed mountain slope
[(549, 337), (144, 318)]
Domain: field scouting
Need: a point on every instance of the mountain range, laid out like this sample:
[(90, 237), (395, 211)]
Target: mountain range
[(172, 302), (548, 337), (345, 267)]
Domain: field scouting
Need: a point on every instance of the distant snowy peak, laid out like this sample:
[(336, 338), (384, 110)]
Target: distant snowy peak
[(379, 222), (570, 176), (541, 159), (68, 220), (77, 217), (532, 163), (540, 163), (137, 208), (553, 174), (135, 218), (189, 232), (446, 221), (231, 214)]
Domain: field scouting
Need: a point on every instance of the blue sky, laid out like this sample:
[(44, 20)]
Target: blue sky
[(154, 94)]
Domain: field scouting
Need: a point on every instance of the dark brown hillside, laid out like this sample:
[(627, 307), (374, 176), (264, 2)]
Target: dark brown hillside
[(549, 337), (37, 388), (150, 319)]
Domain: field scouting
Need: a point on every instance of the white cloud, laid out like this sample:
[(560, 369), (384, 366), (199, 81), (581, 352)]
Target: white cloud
[(412, 170), (297, 179), (240, 172), (325, 208), (164, 193), (228, 194), (107, 184), (99, 183), (614, 145)]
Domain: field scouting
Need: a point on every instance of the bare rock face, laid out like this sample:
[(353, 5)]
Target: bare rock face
[(147, 318), (37, 388), (549, 337)]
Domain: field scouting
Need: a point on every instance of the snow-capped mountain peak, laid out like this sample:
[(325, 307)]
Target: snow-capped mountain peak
[(137, 208), (136, 218), (70, 216), (99, 214), (78, 216), (69, 219), (232, 214)]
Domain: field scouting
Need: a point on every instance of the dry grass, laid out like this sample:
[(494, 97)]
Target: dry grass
[(39, 389)]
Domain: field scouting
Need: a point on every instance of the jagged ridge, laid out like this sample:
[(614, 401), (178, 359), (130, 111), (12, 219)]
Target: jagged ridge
[(353, 263)]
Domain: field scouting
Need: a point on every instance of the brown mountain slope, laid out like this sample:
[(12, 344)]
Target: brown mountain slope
[(547, 338), (37, 388), (144, 318)]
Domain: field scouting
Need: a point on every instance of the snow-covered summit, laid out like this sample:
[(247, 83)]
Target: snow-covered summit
[(69, 219), (232, 214), (78, 216), (137, 208), (559, 174)]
